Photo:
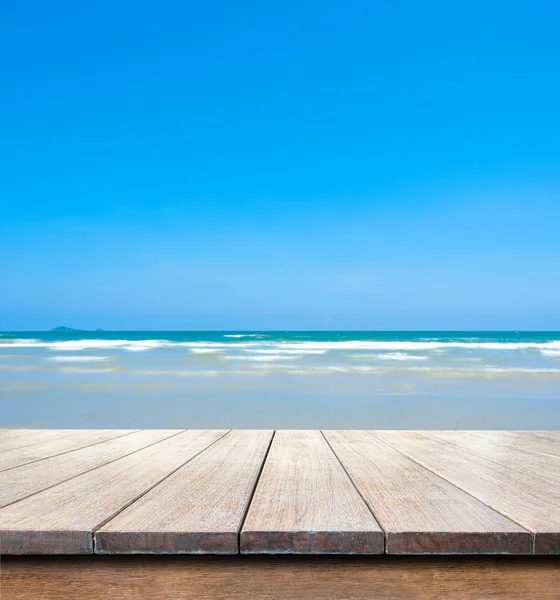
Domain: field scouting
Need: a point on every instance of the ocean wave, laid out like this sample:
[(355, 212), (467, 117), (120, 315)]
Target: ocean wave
[(264, 358), (242, 335), (435, 371), (403, 345), (277, 350), (222, 345), (391, 356), (375, 345), (74, 345), (547, 352), (280, 347), (265, 366), (205, 350)]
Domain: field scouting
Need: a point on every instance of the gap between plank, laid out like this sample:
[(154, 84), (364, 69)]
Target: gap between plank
[(30, 462), (105, 521), (258, 478), (476, 432), (532, 533), (93, 468), (477, 454), (359, 493)]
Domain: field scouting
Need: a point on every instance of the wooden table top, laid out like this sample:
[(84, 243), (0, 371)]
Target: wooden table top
[(279, 492)]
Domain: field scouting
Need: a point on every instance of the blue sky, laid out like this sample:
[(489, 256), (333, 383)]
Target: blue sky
[(309, 165)]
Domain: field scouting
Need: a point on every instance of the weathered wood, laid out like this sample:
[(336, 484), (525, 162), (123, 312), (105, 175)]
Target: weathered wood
[(550, 441), (517, 457), (432, 491), (529, 501), (280, 577), (305, 503), (549, 434), (20, 456), (420, 512), (61, 519), (528, 440), (11, 434), (38, 437), (26, 480), (197, 510)]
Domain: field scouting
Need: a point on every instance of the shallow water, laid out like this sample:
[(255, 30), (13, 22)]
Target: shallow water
[(281, 379)]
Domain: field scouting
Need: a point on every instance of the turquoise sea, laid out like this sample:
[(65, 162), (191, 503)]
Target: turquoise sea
[(284, 379)]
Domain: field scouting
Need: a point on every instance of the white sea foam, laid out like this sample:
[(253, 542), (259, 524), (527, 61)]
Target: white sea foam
[(263, 358), (482, 370), (307, 346), (264, 365), (396, 346), (550, 352), (392, 356), (262, 347), (277, 350), (205, 350), (242, 335), (73, 345), (77, 358), (217, 344), (428, 371)]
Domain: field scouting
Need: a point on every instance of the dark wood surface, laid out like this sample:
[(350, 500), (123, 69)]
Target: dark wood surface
[(280, 578)]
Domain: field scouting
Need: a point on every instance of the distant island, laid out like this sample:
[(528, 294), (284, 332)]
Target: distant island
[(64, 328)]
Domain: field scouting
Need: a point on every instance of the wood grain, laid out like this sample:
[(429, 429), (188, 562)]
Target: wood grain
[(433, 491), (26, 480), (11, 434), (61, 519), (305, 503), (280, 578), (549, 434), (199, 509), (518, 457), (20, 456), (420, 512), (528, 440), (37, 437), (529, 501)]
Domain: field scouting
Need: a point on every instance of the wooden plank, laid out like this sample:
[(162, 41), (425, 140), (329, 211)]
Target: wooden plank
[(552, 434), (61, 520), (420, 512), (517, 457), (529, 440), (306, 504), (529, 501), (26, 480), (20, 456), (37, 437), (11, 434), (552, 438), (280, 577), (197, 510)]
